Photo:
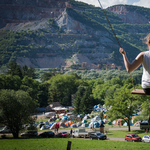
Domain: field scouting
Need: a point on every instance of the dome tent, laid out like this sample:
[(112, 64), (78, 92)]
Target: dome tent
[(96, 118), (84, 121), (125, 124)]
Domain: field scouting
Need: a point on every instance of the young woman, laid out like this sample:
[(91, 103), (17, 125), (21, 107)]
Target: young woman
[(144, 59)]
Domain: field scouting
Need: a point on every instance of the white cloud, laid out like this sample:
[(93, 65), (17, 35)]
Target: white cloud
[(144, 3), (105, 3)]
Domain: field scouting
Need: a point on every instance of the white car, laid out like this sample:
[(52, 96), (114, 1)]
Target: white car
[(146, 138)]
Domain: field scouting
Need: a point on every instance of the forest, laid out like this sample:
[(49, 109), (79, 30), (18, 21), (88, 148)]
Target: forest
[(89, 87)]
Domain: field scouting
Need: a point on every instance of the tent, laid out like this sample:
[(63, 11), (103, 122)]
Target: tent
[(86, 117), (45, 127), (62, 125), (79, 124), (69, 123), (96, 118), (137, 124), (118, 122), (64, 118), (114, 122), (110, 123), (73, 126), (125, 124), (53, 126), (96, 124), (84, 121), (85, 125)]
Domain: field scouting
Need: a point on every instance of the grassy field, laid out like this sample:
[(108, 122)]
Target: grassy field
[(122, 133), (76, 144)]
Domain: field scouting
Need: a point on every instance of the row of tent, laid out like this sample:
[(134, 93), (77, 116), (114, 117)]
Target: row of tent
[(94, 123)]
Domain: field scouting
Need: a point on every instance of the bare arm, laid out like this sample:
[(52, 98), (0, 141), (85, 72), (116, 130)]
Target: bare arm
[(135, 64)]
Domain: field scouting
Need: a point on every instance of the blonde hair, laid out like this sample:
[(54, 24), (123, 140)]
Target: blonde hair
[(146, 40)]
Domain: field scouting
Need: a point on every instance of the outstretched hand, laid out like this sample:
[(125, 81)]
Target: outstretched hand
[(121, 50)]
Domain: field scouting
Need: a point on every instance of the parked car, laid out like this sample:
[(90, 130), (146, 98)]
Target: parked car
[(29, 134), (47, 134), (98, 136), (63, 135), (79, 133), (133, 138), (146, 138), (5, 130)]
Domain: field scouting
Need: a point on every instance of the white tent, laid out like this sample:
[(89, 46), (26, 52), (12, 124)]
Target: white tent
[(53, 126)]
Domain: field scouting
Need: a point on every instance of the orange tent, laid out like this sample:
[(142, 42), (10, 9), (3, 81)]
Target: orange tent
[(69, 123), (118, 122)]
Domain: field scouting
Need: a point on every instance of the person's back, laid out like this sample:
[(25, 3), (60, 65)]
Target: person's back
[(142, 58), (146, 70)]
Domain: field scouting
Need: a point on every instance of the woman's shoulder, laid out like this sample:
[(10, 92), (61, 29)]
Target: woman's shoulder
[(145, 53)]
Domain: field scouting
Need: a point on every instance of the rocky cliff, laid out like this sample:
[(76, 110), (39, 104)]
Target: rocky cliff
[(128, 16), (66, 40), (20, 11)]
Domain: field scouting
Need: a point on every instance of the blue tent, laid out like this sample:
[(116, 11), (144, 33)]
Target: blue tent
[(125, 124)]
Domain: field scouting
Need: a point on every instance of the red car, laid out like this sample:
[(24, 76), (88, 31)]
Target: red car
[(133, 138), (63, 135)]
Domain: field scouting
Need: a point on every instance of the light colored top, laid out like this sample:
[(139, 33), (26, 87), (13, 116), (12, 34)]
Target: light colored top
[(146, 70)]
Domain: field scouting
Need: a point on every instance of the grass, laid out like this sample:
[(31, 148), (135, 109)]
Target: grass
[(122, 133), (61, 144)]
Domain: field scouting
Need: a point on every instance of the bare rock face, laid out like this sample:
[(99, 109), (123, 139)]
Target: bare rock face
[(22, 11), (127, 16), (70, 25), (44, 62)]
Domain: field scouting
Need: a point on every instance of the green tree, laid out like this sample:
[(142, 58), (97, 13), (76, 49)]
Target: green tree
[(46, 76), (31, 72), (84, 100), (43, 95), (87, 101), (31, 86), (10, 82), (14, 69), (77, 102), (25, 71), (123, 105), (65, 85), (15, 109)]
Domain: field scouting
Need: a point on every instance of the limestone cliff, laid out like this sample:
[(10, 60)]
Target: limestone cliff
[(128, 16)]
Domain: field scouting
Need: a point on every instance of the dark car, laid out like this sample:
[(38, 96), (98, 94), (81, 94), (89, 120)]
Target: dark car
[(133, 138), (98, 136), (5, 130), (47, 134), (63, 135), (29, 134)]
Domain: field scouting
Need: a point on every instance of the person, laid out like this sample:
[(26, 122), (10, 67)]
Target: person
[(144, 59), (71, 133)]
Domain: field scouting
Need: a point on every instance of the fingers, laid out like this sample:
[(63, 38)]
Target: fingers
[(121, 50)]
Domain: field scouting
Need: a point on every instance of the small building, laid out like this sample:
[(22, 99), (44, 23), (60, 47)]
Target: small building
[(56, 107), (53, 105)]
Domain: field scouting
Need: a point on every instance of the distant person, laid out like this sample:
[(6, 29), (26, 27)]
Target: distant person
[(144, 59), (71, 133)]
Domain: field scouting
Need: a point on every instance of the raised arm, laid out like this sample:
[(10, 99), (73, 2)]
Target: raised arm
[(135, 64)]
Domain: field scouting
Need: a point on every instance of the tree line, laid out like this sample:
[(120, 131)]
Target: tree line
[(21, 93)]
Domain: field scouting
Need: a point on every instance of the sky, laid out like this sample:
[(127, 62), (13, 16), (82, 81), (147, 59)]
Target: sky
[(108, 3)]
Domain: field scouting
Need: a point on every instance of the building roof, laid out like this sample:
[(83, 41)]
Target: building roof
[(53, 105)]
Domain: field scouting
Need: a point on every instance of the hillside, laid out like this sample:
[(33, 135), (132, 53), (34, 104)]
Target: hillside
[(66, 33)]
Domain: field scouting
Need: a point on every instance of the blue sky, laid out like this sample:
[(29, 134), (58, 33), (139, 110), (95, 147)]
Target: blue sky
[(107, 3)]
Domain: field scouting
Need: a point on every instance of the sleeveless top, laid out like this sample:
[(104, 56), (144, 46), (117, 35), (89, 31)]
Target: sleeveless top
[(146, 70)]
